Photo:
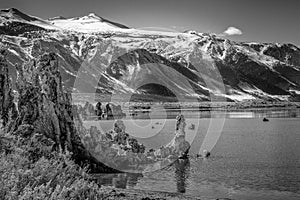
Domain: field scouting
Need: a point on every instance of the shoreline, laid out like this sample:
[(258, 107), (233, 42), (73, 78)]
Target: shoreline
[(110, 192), (118, 193), (189, 103)]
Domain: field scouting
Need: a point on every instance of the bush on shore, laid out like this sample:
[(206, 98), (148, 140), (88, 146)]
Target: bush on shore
[(30, 171)]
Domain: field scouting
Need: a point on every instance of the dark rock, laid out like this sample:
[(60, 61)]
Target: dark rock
[(265, 119), (109, 113), (7, 107), (99, 111), (206, 153), (121, 195)]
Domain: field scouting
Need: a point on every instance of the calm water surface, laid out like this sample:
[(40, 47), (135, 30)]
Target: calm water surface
[(251, 160)]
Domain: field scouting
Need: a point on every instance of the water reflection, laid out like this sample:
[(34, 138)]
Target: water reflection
[(182, 168), (123, 180), (238, 166)]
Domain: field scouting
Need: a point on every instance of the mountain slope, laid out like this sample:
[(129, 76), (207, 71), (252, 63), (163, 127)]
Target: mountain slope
[(97, 55)]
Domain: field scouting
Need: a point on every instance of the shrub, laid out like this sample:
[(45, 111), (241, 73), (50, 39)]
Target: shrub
[(50, 175)]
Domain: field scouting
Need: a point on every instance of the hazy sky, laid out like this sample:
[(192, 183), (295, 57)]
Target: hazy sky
[(254, 20)]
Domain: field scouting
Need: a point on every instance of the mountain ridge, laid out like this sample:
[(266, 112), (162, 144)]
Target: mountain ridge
[(248, 70)]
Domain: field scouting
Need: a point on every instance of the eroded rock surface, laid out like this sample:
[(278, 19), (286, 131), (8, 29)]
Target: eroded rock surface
[(45, 108), (7, 106), (118, 149)]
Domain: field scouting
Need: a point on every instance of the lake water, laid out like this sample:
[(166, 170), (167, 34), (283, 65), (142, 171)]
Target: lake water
[(252, 159)]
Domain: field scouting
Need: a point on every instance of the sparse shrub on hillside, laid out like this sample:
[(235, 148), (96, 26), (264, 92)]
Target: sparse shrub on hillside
[(31, 171)]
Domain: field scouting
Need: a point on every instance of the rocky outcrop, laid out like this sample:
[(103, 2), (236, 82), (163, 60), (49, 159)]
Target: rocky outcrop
[(287, 53), (45, 108), (178, 147), (118, 149), (7, 106), (109, 111), (179, 144)]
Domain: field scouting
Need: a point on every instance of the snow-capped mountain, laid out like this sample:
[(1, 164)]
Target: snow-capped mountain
[(96, 54), (89, 23)]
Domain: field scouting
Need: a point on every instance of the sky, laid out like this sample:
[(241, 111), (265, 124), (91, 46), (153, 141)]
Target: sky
[(240, 20)]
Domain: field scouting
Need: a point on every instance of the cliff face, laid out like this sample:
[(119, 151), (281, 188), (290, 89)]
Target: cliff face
[(7, 106), (42, 103), (44, 108)]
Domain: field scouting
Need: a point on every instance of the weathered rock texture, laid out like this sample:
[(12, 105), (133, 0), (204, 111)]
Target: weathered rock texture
[(44, 108), (7, 106), (178, 147), (118, 149)]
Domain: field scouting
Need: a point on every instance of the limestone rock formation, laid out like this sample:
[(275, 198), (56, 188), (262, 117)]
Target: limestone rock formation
[(115, 148), (178, 146), (7, 106), (118, 149), (89, 112), (45, 108)]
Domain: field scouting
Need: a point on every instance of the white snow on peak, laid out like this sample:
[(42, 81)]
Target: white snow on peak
[(84, 24), (90, 23), (88, 18), (93, 15)]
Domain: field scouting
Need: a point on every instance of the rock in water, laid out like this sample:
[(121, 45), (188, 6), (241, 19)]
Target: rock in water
[(179, 145), (192, 126), (265, 119), (45, 108), (206, 153)]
